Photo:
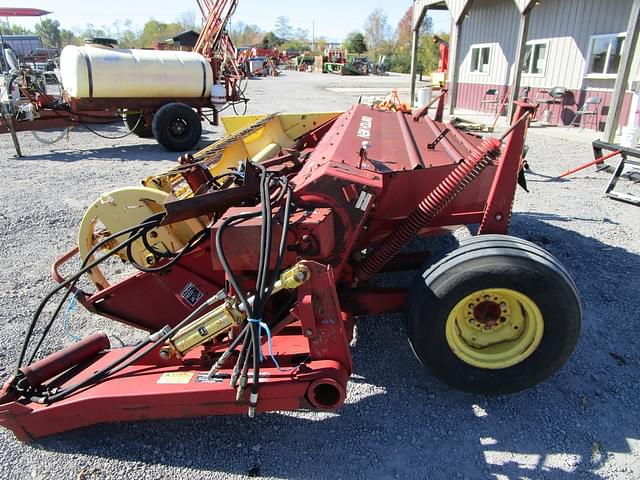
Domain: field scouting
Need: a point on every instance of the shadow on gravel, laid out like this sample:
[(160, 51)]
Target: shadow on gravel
[(147, 153), (403, 423)]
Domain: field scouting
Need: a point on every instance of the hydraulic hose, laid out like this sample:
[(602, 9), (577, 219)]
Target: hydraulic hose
[(70, 283), (432, 205)]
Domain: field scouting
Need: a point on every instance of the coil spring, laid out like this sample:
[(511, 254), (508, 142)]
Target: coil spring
[(432, 205)]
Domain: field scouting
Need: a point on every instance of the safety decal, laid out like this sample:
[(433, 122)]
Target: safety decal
[(363, 200), (204, 378), (175, 378), (191, 294)]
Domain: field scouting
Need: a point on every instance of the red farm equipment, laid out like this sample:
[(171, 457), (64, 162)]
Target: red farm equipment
[(161, 94), (253, 258)]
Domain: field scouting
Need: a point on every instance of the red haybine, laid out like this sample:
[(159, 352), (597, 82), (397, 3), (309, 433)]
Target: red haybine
[(254, 311)]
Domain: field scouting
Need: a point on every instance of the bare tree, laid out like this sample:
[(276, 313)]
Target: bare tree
[(187, 20), (376, 29), (283, 28)]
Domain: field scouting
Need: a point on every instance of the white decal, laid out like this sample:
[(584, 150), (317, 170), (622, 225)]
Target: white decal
[(364, 131), (363, 201)]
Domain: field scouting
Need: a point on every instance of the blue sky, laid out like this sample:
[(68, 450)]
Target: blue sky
[(333, 18)]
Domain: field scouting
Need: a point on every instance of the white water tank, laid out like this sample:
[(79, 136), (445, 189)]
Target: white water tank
[(104, 72), (218, 95), (424, 97)]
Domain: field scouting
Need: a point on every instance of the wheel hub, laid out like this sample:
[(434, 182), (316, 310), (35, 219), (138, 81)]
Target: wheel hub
[(494, 328), (487, 313), (177, 128)]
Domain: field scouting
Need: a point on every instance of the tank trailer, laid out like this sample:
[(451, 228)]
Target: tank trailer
[(158, 93)]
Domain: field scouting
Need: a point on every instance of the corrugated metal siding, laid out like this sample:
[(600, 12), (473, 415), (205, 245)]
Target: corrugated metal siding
[(492, 22), (568, 26), (470, 95), (523, 4), (456, 7)]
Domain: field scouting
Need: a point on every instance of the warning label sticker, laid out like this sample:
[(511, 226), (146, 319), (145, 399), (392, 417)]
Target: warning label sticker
[(175, 378), (191, 294), (221, 377), (204, 378)]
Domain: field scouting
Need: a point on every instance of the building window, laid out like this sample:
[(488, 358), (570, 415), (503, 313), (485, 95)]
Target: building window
[(605, 52), (535, 58), (480, 55)]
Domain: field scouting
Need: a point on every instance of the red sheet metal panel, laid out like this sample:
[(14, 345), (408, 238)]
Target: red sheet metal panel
[(22, 12), (394, 142)]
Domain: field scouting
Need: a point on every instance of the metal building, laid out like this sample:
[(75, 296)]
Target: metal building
[(23, 44), (584, 46)]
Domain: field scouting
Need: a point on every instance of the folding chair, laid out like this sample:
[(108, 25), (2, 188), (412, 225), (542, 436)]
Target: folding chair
[(584, 111), (555, 96), (490, 97)]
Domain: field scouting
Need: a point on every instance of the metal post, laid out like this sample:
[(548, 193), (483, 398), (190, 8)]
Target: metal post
[(520, 49), (414, 61), (622, 80), (453, 66)]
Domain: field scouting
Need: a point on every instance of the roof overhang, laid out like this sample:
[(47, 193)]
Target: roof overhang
[(457, 8), (22, 12)]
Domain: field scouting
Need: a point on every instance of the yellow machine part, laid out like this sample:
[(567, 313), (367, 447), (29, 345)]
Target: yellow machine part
[(254, 137), (506, 342), (124, 208)]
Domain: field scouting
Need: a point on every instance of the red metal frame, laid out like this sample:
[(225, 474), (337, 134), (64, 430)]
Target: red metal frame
[(348, 197)]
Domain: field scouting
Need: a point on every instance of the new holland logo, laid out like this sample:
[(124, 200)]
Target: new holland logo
[(364, 130)]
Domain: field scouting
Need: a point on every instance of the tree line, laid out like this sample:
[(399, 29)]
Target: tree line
[(376, 38), (125, 32)]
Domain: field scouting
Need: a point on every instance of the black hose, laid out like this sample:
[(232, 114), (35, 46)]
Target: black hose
[(265, 279), (70, 282), (129, 358), (193, 241), (223, 258)]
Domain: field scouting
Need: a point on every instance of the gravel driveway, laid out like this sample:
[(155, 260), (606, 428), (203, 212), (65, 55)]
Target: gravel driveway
[(398, 421)]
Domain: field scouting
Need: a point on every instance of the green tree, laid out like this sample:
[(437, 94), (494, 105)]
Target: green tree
[(49, 32), (398, 49), (295, 45), (429, 52), (243, 35), (90, 31), (67, 37), (271, 40), (15, 30), (321, 44), (155, 31), (355, 43)]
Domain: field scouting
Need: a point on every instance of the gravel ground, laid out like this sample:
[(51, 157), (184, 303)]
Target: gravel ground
[(398, 421)]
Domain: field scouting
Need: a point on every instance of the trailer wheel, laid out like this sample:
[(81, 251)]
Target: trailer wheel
[(177, 127), (497, 315), (138, 126)]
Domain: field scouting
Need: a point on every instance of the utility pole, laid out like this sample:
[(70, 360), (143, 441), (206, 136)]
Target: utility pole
[(313, 35)]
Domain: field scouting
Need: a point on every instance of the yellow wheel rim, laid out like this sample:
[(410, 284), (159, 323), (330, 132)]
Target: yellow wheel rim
[(494, 328)]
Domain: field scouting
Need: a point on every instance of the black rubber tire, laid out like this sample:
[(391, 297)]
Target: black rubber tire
[(493, 261), (177, 127), (139, 128)]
